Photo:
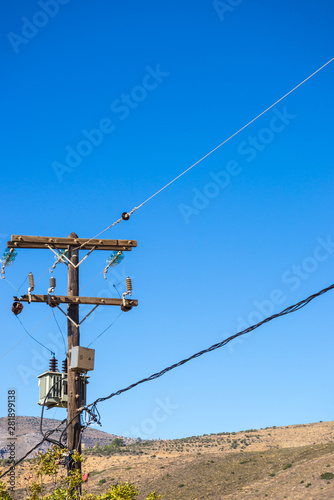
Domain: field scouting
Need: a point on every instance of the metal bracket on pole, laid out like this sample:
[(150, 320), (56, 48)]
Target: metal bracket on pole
[(123, 297)]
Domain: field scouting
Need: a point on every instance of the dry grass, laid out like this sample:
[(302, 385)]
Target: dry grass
[(273, 463), (235, 475)]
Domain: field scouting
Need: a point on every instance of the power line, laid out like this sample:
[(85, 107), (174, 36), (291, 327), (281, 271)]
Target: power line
[(19, 288), (42, 275), (28, 334), (21, 459), (3, 355), (10, 283), (105, 329), (38, 342), (208, 154), (5, 309), (224, 342), (48, 433), (19, 342), (89, 282), (59, 330), (288, 310), (23, 282)]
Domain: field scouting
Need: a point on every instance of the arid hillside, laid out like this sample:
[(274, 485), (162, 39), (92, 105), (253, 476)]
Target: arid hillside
[(294, 462)]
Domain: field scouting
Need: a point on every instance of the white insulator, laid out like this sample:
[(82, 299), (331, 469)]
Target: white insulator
[(31, 282)]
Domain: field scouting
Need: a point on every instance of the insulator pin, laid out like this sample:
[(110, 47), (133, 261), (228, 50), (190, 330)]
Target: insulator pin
[(31, 282), (128, 284), (52, 286), (53, 364)]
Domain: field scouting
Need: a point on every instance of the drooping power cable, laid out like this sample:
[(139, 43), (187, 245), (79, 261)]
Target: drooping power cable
[(29, 334), (288, 310)]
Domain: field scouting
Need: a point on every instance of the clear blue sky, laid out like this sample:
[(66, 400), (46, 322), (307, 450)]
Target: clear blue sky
[(105, 102)]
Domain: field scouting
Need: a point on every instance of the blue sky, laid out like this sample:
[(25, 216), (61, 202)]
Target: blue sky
[(103, 104)]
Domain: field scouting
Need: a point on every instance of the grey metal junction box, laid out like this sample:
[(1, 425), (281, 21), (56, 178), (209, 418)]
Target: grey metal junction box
[(82, 359)]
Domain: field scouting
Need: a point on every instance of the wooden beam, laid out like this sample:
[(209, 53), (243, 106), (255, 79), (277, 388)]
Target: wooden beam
[(61, 299), (21, 241), (73, 340)]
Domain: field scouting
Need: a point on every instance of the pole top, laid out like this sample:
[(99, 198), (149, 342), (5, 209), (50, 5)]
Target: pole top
[(73, 235)]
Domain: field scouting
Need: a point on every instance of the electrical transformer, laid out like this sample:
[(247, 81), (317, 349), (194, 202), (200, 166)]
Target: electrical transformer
[(53, 389)]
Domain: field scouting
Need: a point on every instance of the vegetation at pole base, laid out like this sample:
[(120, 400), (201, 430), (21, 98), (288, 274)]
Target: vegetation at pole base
[(4, 495), (69, 487)]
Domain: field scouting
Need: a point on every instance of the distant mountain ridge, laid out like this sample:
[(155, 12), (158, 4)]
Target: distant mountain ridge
[(28, 435)]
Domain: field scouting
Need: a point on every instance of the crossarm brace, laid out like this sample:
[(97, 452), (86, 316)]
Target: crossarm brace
[(72, 321), (63, 256)]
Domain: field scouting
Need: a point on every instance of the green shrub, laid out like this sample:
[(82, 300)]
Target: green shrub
[(47, 464), (95, 472), (4, 495), (327, 475)]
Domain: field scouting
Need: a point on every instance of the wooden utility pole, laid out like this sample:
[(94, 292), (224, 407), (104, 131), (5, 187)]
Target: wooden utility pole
[(73, 339), (71, 245)]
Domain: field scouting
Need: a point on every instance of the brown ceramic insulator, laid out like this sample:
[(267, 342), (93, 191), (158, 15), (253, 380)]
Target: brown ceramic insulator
[(64, 366), (53, 366), (17, 308)]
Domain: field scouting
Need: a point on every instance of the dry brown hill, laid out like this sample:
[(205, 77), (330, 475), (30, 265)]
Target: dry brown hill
[(273, 463)]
